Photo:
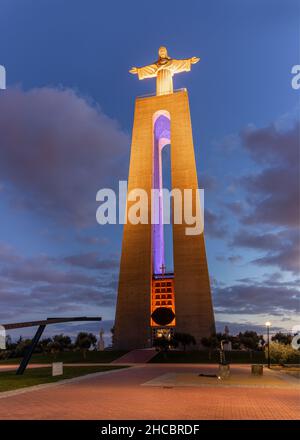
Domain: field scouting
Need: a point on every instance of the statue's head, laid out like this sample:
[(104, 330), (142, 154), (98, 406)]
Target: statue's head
[(162, 52)]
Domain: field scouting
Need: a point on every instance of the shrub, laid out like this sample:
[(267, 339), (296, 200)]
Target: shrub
[(281, 353)]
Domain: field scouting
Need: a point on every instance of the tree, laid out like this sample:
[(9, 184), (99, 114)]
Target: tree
[(282, 338), (55, 348), (185, 339), (44, 345), (58, 344), (85, 341), (162, 344), (8, 343), (64, 341), (251, 340), (235, 342), (112, 330), (282, 353), (22, 346), (211, 342)]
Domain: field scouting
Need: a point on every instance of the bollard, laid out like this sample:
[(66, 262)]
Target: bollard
[(224, 371), (257, 370)]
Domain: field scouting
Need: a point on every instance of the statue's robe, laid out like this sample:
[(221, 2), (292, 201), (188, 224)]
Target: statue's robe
[(164, 71)]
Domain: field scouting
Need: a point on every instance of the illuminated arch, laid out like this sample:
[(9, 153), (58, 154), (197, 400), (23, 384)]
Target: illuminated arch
[(161, 138)]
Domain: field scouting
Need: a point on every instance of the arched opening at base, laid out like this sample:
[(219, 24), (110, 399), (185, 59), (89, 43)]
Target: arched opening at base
[(163, 296)]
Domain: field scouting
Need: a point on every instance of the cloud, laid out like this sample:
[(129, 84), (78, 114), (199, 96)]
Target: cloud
[(207, 182), (237, 327), (213, 224), (235, 258), (274, 192), (247, 239), (91, 240), (274, 195), (57, 150), (283, 248), (270, 216), (236, 208), (227, 144), (230, 258), (91, 260), (286, 257), (270, 144), (31, 271), (254, 298), (43, 286)]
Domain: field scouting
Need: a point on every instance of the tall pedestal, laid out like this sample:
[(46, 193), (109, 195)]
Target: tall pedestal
[(193, 303)]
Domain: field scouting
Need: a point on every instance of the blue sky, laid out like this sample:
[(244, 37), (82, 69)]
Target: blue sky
[(65, 125)]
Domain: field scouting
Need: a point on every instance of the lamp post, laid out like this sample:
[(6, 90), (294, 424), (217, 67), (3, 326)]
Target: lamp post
[(268, 325)]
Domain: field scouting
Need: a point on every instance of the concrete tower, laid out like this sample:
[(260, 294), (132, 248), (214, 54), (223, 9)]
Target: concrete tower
[(150, 301)]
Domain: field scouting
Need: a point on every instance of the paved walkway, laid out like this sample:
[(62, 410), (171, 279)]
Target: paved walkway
[(141, 356), (119, 395)]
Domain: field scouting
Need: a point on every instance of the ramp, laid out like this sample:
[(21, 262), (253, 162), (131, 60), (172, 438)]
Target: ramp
[(140, 356)]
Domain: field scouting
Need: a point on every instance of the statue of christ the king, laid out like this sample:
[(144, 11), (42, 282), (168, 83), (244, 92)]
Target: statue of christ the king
[(164, 69)]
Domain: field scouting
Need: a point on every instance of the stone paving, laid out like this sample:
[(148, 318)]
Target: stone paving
[(242, 378), (120, 395)]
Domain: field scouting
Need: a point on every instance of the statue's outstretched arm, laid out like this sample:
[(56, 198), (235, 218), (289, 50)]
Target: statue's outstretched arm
[(194, 60), (145, 72), (183, 65)]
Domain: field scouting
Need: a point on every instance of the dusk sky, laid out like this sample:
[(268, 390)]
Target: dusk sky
[(65, 126)]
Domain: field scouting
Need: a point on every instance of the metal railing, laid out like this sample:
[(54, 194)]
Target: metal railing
[(148, 95)]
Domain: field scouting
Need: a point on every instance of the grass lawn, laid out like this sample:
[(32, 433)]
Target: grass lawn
[(202, 357), (71, 357), (36, 376)]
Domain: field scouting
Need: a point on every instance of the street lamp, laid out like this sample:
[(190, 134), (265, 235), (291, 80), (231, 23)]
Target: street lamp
[(268, 325)]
